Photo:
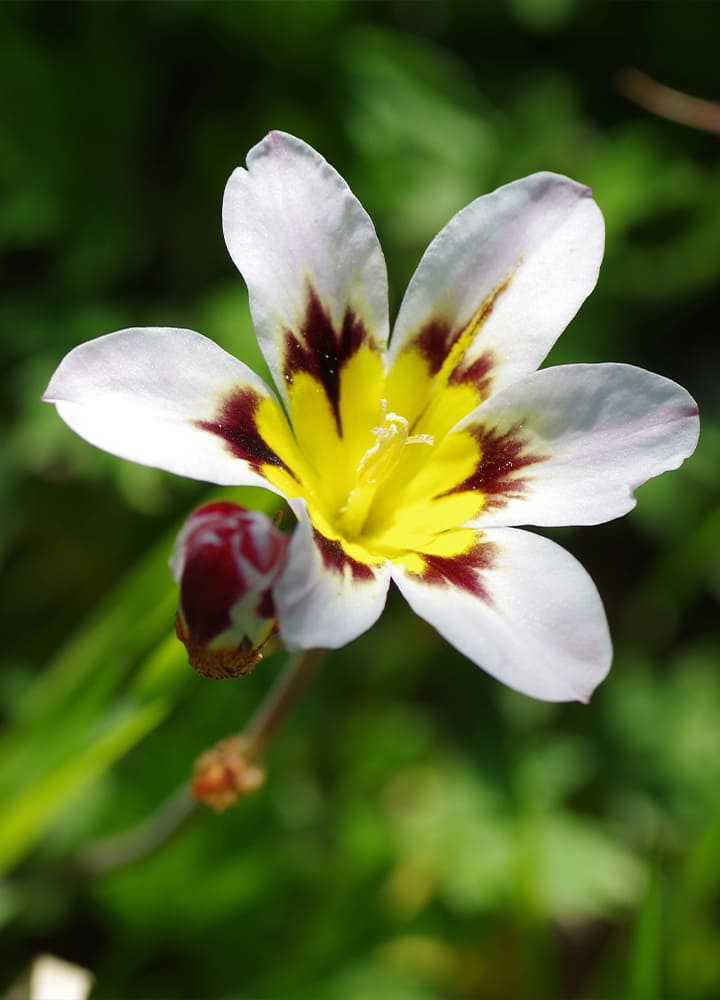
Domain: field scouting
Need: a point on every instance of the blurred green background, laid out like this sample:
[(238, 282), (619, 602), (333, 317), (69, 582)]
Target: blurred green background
[(424, 833)]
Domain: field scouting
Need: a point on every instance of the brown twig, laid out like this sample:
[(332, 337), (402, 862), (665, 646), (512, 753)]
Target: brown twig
[(696, 112)]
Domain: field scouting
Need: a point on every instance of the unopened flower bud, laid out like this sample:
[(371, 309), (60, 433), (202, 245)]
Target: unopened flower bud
[(226, 561), (225, 773)]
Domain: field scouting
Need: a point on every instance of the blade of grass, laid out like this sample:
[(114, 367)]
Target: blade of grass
[(30, 812), (645, 958)]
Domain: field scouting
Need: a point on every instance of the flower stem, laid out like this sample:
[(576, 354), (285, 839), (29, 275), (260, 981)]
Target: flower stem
[(233, 767), (170, 817), (118, 850), (669, 103), (281, 698)]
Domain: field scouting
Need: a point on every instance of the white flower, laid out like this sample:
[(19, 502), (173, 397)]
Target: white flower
[(413, 461)]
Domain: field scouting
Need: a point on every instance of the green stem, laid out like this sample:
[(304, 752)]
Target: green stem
[(139, 841), (282, 697), (171, 816)]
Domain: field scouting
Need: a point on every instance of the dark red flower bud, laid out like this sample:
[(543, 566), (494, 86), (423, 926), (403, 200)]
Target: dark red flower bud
[(226, 561)]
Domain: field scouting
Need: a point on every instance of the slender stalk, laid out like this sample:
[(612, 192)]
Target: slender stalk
[(139, 841), (668, 102), (282, 697), (249, 745)]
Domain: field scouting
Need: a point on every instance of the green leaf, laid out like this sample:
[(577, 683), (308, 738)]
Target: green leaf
[(25, 818)]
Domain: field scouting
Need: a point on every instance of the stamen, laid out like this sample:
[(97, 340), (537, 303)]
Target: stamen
[(391, 439), (376, 465)]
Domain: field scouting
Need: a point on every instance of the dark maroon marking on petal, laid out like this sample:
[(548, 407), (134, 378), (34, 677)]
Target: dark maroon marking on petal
[(478, 373), (323, 350), (689, 411), (502, 456), (336, 558), (438, 337), (434, 342), (237, 426), (462, 571)]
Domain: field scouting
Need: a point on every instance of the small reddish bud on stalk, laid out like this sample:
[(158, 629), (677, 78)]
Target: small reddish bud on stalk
[(225, 773), (233, 767), (226, 561)]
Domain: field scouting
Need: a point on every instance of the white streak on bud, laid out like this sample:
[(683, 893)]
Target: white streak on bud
[(226, 561)]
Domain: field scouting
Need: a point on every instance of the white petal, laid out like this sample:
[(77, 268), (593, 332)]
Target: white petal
[(294, 228), (598, 432), (142, 394), (536, 623), (520, 261), (323, 598)]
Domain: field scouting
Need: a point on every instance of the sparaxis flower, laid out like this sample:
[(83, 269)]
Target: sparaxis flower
[(414, 461)]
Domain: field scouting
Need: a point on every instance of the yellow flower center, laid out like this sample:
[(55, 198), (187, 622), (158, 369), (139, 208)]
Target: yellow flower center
[(374, 469), (381, 479)]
